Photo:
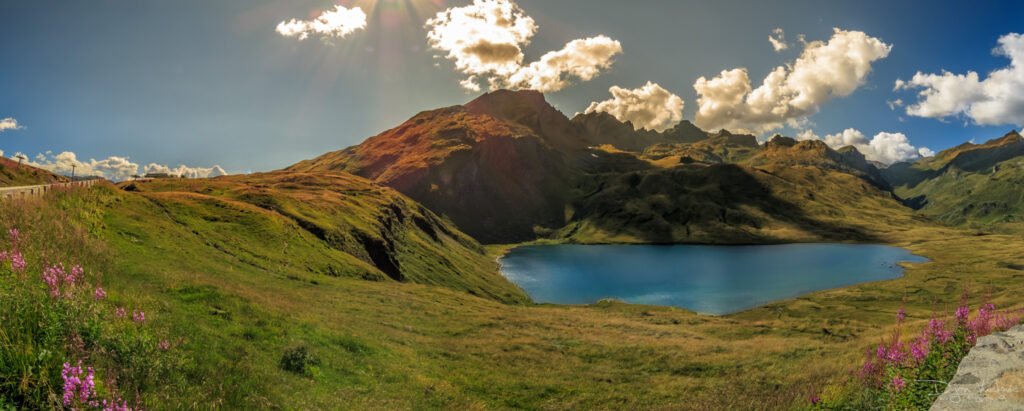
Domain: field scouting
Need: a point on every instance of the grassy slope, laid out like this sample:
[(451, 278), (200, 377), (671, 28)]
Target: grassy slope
[(11, 174), (983, 198), (976, 185), (225, 289), (330, 223), (734, 193)]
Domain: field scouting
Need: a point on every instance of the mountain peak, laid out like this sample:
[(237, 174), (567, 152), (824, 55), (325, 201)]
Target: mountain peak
[(1009, 138), (530, 109), (503, 101)]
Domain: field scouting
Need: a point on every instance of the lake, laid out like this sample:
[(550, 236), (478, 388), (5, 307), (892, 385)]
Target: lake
[(703, 278)]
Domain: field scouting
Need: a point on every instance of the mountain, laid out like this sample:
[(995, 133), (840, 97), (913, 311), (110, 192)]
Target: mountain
[(508, 167), (13, 174), (494, 178), (727, 189), (967, 184), (785, 151), (599, 128)]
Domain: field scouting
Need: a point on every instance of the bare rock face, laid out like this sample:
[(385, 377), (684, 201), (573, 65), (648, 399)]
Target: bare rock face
[(990, 377)]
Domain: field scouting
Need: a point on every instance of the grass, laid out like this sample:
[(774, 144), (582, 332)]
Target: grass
[(13, 174), (207, 260)]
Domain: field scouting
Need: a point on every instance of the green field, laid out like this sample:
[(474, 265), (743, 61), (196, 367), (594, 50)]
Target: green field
[(240, 284)]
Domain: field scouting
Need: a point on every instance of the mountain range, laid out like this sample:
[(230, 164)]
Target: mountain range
[(508, 167)]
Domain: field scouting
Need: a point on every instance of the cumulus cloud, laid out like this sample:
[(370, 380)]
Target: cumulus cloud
[(185, 171), (778, 40), (582, 59), (824, 70), (485, 41), (113, 168), (884, 147), (336, 23), (996, 100), (9, 123), (651, 106)]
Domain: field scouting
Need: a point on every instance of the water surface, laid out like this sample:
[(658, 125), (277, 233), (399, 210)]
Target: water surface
[(702, 278)]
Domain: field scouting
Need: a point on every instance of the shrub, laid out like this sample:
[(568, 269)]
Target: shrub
[(299, 360)]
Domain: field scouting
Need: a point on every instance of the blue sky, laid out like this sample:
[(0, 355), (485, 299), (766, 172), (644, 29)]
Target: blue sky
[(202, 82)]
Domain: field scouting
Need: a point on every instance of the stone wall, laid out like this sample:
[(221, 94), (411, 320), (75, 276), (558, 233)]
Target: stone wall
[(991, 377)]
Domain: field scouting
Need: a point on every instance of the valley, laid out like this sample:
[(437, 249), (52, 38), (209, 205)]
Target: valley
[(402, 310)]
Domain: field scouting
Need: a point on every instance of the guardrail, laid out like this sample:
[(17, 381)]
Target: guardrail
[(40, 190)]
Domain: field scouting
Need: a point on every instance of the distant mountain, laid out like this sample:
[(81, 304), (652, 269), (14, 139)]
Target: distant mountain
[(509, 167), (13, 174), (786, 151), (599, 128), (967, 184)]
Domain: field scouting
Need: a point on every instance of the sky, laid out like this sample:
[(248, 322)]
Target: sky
[(205, 87)]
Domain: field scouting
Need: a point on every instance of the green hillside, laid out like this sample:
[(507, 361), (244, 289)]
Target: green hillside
[(237, 286), (12, 174), (971, 184)]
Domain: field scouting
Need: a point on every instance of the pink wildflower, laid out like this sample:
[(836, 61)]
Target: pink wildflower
[(895, 354), (54, 276), (14, 234), (919, 349), (120, 405), (867, 370), (78, 388), (937, 330), (138, 316), (961, 314), (898, 384), (815, 399), (99, 294), (164, 345), (120, 312), (76, 274), (901, 315), (18, 262)]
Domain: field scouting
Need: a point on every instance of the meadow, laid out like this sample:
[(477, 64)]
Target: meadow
[(253, 321)]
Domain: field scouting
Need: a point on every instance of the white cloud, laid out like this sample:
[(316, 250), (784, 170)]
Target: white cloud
[(185, 171), (113, 168), (651, 106), (884, 147), (485, 40), (582, 58), (778, 40), (9, 123), (337, 23), (996, 100), (787, 95)]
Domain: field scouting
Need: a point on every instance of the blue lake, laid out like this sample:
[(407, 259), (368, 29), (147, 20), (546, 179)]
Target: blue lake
[(707, 279)]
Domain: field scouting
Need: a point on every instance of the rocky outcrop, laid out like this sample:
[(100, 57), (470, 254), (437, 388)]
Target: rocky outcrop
[(990, 377)]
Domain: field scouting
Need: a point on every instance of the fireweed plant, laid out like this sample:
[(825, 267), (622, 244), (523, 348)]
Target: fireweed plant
[(909, 372), (63, 345)]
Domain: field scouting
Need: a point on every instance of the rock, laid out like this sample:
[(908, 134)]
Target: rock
[(990, 377)]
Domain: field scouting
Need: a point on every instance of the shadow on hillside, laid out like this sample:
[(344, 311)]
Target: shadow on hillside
[(704, 204)]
